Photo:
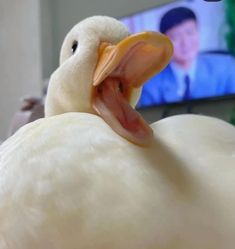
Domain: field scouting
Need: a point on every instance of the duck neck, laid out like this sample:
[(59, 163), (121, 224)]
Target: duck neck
[(70, 87)]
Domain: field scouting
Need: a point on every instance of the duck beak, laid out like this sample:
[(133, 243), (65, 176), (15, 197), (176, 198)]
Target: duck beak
[(120, 69)]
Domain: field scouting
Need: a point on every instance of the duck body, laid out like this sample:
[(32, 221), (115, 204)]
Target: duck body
[(74, 183)]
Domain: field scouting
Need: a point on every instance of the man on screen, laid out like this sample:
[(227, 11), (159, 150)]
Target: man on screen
[(190, 75)]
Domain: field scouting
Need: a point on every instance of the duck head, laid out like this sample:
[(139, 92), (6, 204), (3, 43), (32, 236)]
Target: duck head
[(102, 70)]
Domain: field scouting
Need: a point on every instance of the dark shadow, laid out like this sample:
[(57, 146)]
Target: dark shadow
[(171, 167)]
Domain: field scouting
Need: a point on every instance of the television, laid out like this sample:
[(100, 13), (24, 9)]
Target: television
[(210, 75)]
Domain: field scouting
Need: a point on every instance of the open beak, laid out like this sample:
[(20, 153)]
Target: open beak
[(120, 69)]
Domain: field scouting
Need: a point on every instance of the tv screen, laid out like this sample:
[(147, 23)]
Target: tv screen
[(201, 66)]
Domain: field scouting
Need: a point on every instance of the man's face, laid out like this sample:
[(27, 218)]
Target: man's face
[(185, 39)]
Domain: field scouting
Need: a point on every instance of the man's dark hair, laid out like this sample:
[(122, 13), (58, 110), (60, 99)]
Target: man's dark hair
[(175, 17)]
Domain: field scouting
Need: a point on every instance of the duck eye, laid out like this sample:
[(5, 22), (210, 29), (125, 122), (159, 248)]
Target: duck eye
[(74, 46)]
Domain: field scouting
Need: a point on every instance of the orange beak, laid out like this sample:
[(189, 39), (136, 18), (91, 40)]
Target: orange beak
[(120, 69)]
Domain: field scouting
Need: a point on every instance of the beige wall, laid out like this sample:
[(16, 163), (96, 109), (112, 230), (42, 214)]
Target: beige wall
[(20, 56)]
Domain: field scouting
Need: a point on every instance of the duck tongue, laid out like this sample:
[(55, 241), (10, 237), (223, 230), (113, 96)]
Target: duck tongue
[(111, 103)]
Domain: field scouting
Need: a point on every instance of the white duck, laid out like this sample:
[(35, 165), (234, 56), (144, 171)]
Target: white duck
[(69, 181)]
